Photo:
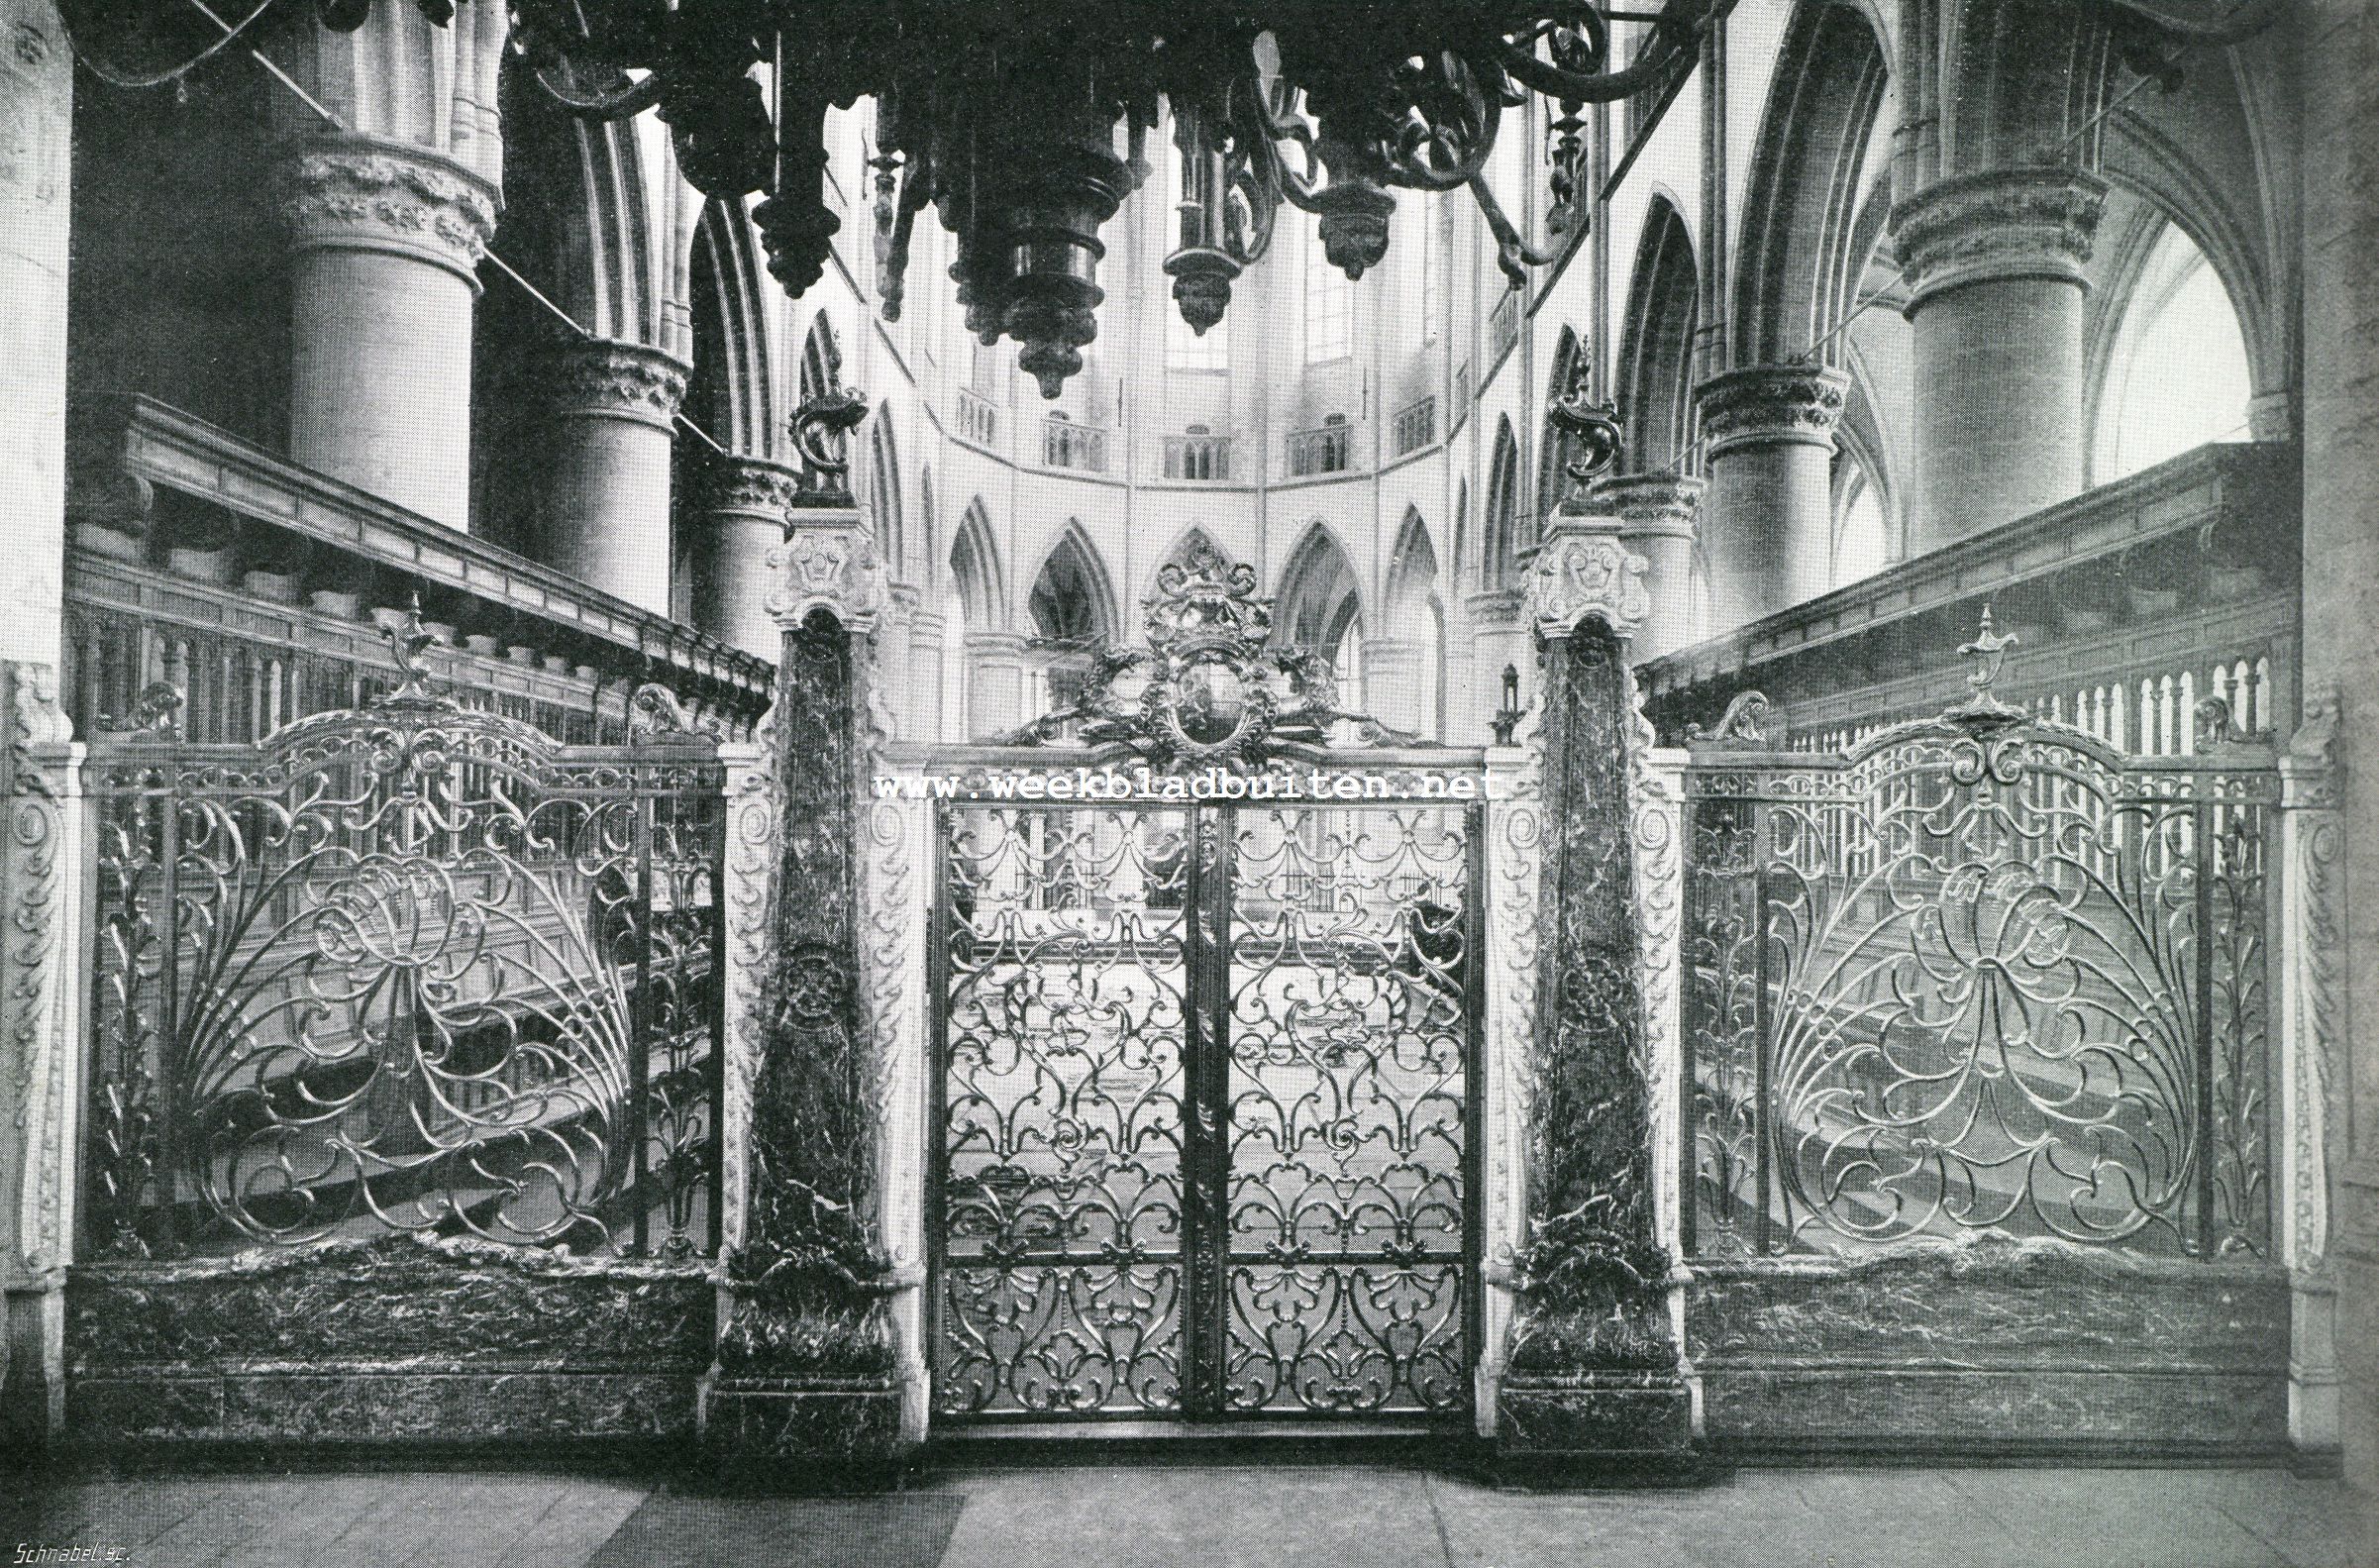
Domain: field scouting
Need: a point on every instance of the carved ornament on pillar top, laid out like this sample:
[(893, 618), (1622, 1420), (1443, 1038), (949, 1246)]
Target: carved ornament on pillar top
[(1580, 574), (1763, 404), (359, 193), (600, 375), (832, 567), (750, 486), (1651, 505), (2001, 224)]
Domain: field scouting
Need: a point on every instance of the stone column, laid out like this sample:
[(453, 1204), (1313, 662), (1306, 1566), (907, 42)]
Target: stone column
[(1769, 525), (741, 516), (1657, 516), (923, 709), (1997, 285), (1391, 678), (1592, 1381), (1498, 637), (807, 1387), (42, 895), (384, 240), (604, 501), (996, 684)]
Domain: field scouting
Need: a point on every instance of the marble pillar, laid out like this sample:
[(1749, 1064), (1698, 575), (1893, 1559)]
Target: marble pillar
[(1658, 517), (1768, 526), (603, 496), (384, 241), (1590, 1382), (808, 1389), (739, 517), (1996, 263)]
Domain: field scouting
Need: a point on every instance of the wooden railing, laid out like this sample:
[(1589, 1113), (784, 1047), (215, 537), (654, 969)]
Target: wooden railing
[(2131, 605), (260, 592)]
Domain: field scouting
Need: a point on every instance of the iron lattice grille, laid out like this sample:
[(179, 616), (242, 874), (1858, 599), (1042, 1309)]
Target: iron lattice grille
[(1962, 982), (409, 968), (1206, 1098)]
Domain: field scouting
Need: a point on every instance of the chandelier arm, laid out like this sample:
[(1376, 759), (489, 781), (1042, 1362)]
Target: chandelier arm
[(2244, 21), (118, 75), (1515, 255), (633, 99), (1681, 22)]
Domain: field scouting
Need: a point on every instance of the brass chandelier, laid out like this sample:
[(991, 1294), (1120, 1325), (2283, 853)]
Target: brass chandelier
[(1024, 124)]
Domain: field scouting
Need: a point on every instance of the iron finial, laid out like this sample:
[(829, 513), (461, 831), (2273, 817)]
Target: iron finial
[(1986, 654)]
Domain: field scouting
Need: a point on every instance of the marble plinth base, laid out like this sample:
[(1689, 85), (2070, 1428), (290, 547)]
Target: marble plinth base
[(781, 1437), (1624, 1428)]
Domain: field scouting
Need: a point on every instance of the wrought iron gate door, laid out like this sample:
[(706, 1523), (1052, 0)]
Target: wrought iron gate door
[(1203, 1139)]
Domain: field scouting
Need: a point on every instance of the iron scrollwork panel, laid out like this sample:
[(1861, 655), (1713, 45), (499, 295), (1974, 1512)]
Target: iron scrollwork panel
[(410, 969), (1347, 1121), (1061, 1122), (1996, 983)]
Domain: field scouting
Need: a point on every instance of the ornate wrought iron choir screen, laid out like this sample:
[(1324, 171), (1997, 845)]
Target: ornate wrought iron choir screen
[(409, 968), (1981, 974), (1205, 1133)]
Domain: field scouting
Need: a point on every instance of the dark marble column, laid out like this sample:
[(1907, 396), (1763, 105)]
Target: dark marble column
[(805, 1392), (1591, 1385)]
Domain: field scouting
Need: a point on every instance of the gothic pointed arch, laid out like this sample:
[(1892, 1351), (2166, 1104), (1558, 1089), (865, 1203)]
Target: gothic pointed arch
[(732, 392), (1656, 344), (597, 217), (1072, 597), (975, 575), (1555, 449), (1500, 529), (1795, 275), (883, 495), (1413, 606), (1318, 597), (821, 372)]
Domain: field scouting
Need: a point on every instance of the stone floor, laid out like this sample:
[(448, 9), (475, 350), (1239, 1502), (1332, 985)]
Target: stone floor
[(1222, 1515)]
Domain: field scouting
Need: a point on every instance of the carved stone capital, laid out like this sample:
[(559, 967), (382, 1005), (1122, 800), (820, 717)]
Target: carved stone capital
[(626, 379), (1651, 505), (740, 488), (1765, 404), (2003, 223), (359, 193), (1580, 573), (829, 565)]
